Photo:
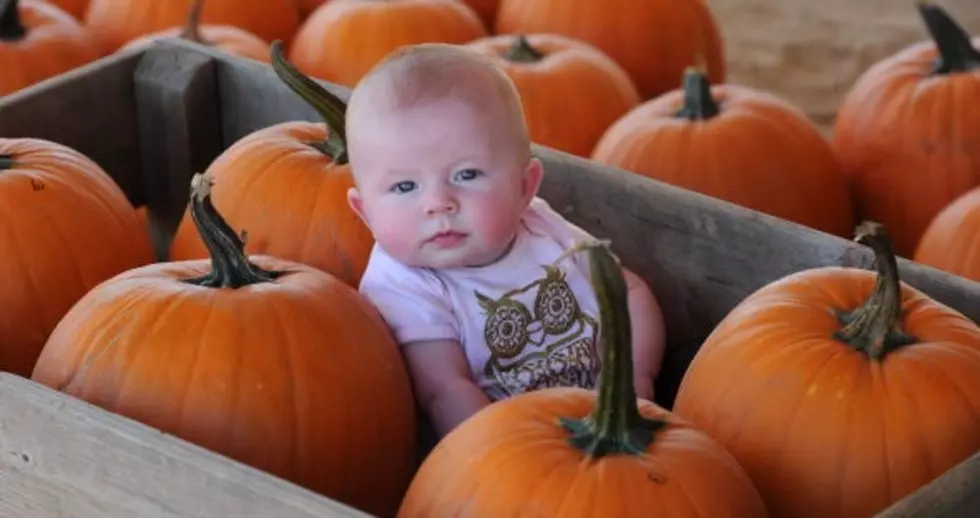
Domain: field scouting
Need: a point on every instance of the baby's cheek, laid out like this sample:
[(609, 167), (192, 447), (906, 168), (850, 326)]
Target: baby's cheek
[(397, 236)]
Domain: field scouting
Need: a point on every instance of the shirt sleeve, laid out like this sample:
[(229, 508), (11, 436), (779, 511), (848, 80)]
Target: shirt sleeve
[(412, 301)]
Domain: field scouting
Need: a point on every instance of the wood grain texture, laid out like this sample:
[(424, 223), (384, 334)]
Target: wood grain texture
[(954, 494), (61, 457)]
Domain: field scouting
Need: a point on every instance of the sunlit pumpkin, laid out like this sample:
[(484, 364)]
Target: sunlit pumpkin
[(840, 390), (949, 242), (270, 362)]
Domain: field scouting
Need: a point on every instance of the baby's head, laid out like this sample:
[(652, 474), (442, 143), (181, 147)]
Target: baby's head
[(441, 157)]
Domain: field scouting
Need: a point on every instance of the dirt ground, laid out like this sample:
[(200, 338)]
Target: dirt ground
[(810, 52)]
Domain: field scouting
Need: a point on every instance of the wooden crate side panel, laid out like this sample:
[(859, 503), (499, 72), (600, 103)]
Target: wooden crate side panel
[(60, 456), (91, 109), (954, 494)]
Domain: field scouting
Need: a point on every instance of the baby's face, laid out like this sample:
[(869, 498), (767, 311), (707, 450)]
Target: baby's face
[(437, 188)]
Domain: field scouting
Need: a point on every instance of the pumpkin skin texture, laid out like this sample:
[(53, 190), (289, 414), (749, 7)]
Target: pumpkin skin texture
[(76, 8), (39, 41), (907, 130), (832, 418), (737, 144), (116, 22), (269, 362), (230, 39), (571, 91), (342, 40), (487, 10), (283, 186), (948, 243), (570, 452), (74, 228), (654, 40)]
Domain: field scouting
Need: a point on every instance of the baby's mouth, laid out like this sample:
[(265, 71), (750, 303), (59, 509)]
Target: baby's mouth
[(447, 238)]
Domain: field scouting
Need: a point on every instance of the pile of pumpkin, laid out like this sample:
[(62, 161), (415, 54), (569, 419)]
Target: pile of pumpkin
[(831, 392)]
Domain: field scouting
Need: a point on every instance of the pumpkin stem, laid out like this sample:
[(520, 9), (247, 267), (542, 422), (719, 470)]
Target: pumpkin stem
[(7, 161), (11, 28), (329, 106), (615, 426), (230, 267), (521, 51), (875, 327), (698, 102), (192, 30), (956, 52)]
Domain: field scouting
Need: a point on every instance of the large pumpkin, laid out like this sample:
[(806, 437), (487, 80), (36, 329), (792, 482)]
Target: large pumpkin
[(342, 40), (734, 143), (840, 391), (76, 8), (571, 91), (267, 361), (576, 453), (38, 41), (907, 131), (949, 242), (286, 185), (116, 22), (67, 227), (228, 38), (654, 40)]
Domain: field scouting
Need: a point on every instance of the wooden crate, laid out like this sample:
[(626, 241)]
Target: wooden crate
[(153, 117)]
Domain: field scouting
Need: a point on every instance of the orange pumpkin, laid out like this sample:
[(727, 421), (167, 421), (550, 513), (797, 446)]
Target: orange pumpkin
[(286, 185), (949, 242), (571, 91), (269, 362), (486, 9), (907, 130), (225, 37), (734, 143), (306, 7), (840, 391), (38, 41), (344, 39), (116, 22), (76, 8), (654, 40), (570, 452), (68, 228)]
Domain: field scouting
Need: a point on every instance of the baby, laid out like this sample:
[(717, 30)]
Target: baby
[(467, 269)]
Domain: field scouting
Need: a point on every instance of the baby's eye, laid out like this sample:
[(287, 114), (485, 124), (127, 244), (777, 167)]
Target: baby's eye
[(468, 174), (404, 187)]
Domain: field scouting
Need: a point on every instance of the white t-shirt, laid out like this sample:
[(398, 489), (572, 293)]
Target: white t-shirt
[(523, 322)]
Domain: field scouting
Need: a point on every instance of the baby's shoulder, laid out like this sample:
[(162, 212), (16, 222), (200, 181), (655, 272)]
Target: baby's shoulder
[(386, 272)]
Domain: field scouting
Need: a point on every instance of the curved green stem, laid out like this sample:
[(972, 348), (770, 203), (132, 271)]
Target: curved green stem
[(956, 52), (698, 102), (615, 426), (230, 267), (875, 327), (192, 29), (11, 28), (329, 106), (7, 161), (521, 51)]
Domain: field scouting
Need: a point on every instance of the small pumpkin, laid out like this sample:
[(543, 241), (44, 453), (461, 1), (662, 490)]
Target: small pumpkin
[(342, 40), (38, 41), (286, 185), (116, 22), (76, 8), (839, 390), (907, 130), (570, 452), (571, 91), (737, 144), (949, 242), (266, 361), (67, 228), (654, 40), (228, 38)]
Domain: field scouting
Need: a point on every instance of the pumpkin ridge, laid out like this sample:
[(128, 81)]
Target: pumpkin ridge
[(615, 426), (329, 106), (11, 27), (875, 326), (956, 52), (699, 104)]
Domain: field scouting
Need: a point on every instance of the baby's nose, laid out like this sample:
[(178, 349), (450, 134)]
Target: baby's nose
[(441, 205)]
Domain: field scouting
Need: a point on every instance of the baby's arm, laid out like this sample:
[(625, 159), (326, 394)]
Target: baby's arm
[(647, 326), (442, 382)]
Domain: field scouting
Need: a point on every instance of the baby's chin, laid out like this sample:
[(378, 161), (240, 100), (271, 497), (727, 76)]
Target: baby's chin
[(448, 259)]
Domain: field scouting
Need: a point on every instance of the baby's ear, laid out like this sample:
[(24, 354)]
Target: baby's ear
[(356, 204), (533, 174)]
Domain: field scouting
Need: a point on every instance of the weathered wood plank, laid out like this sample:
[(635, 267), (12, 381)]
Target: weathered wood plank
[(954, 494), (61, 457), (91, 109), (179, 131)]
